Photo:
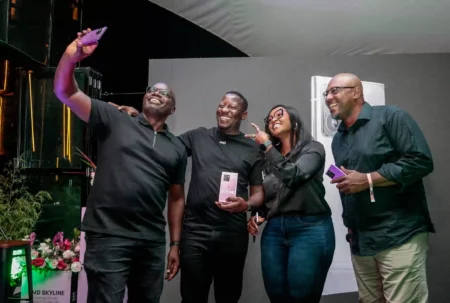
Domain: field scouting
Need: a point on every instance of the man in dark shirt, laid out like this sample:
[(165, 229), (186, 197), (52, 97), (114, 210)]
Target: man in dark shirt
[(139, 161), (214, 240), (385, 156)]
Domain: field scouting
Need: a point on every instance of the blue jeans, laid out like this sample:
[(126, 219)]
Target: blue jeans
[(296, 254)]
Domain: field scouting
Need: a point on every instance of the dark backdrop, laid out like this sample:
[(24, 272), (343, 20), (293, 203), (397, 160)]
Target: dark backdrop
[(139, 30)]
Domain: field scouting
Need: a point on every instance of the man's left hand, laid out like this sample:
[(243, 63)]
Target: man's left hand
[(173, 262), (353, 182), (233, 205)]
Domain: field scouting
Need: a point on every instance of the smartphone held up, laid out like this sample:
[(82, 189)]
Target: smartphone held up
[(93, 36)]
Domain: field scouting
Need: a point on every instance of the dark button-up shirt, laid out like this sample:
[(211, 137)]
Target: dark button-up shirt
[(385, 139)]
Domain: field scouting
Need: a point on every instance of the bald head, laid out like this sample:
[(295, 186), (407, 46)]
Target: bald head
[(347, 80), (347, 77), (344, 97)]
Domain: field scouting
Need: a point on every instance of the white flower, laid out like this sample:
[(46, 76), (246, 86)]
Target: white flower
[(43, 246), (77, 248), (46, 251), (34, 254), (76, 267), (68, 254), (48, 240), (52, 263)]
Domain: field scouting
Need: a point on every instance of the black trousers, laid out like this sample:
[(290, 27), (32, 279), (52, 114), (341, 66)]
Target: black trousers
[(208, 255), (113, 263)]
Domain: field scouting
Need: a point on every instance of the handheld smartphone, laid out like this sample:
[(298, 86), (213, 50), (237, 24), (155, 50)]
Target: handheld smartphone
[(93, 36), (334, 172), (228, 186)]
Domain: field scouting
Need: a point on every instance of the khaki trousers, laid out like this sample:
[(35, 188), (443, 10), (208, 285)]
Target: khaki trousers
[(396, 275)]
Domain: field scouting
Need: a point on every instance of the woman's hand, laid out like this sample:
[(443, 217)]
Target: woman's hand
[(252, 225), (260, 137)]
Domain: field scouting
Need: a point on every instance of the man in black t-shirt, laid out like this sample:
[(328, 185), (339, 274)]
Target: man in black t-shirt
[(214, 240), (139, 162)]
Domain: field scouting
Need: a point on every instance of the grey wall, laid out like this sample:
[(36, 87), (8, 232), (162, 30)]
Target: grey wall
[(417, 83)]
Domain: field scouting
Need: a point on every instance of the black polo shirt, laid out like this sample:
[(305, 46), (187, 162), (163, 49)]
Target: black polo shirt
[(387, 140), (135, 167), (213, 153)]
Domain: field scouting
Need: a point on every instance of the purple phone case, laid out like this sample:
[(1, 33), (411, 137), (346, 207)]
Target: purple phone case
[(334, 172), (93, 36)]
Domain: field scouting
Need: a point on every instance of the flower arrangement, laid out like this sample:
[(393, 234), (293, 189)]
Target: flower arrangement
[(56, 254)]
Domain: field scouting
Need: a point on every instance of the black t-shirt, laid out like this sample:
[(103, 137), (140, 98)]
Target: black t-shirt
[(135, 167), (212, 153)]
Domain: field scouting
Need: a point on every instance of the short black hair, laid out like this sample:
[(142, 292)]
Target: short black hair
[(243, 99)]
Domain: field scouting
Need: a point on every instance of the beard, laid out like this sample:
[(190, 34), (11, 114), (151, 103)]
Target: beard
[(157, 111)]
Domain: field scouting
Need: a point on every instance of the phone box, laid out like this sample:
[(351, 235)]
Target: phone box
[(228, 186)]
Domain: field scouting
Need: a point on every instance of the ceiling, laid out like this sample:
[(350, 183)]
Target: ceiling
[(322, 27)]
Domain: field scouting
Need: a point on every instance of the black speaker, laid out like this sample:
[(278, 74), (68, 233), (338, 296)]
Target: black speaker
[(4, 19), (50, 133), (26, 25), (40, 28), (66, 22)]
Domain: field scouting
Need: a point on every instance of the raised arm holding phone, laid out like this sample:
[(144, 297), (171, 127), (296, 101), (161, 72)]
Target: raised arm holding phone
[(138, 160)]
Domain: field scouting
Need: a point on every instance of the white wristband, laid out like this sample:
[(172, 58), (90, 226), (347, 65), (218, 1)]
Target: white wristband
[(372, 195)]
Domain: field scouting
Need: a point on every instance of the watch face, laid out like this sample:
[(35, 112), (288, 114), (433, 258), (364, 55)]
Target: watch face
[(263, 147)]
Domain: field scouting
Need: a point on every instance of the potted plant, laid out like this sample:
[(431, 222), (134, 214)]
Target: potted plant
[(19, 209)]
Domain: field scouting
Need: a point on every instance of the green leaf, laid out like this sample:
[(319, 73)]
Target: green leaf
[(19, 209)]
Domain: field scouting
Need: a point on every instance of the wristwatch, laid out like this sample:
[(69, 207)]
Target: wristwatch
[(265, 145), (174, 243), (249, 208)]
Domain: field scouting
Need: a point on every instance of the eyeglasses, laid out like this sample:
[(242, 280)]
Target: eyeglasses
[(277, 115), (336, 90), (164, 92)]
